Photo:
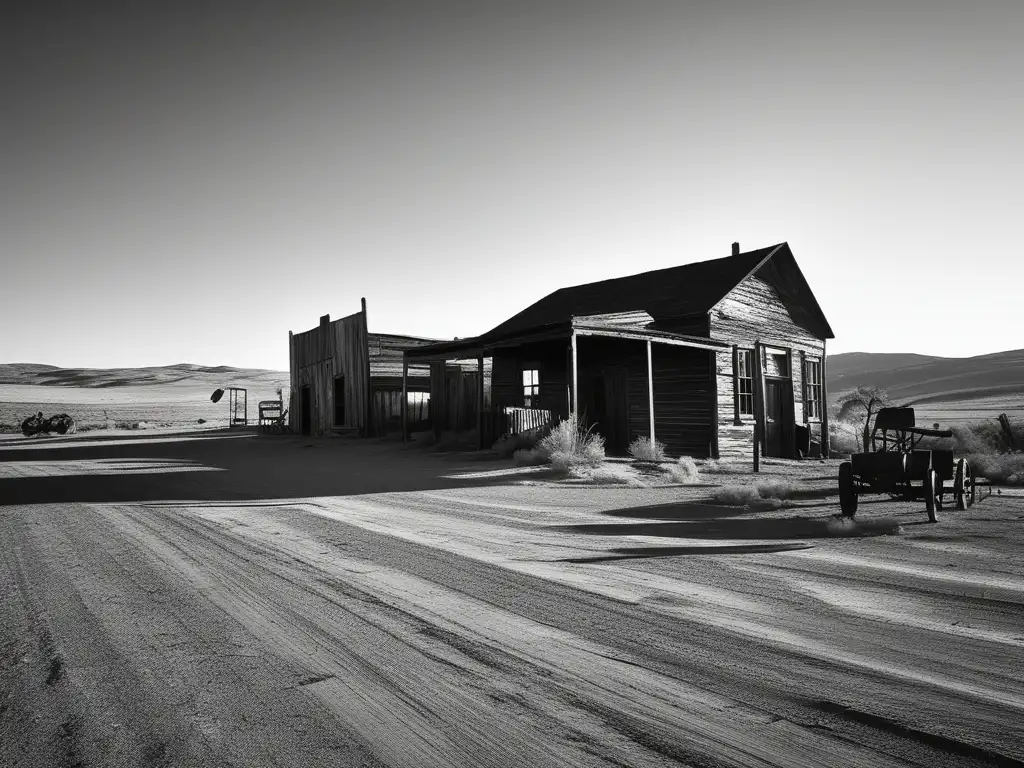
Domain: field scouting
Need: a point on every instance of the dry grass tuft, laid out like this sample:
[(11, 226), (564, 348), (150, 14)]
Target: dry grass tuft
[(776, 489), (569, 443), (745, 496), (645, 449), (684, 471)]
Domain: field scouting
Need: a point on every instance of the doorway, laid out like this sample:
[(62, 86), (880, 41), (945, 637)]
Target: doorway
[(306, 410), (778, 418), (611, 408)]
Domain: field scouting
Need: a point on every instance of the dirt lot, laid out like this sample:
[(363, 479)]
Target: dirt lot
[(215, 599)]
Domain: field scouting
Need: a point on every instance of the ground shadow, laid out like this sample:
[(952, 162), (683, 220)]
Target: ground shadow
[(757, 528), (639, 553), (250, 467)]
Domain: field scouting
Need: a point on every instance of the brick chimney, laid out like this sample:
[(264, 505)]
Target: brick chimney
[(735, 249)]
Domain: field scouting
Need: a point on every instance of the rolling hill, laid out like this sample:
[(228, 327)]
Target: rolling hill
[(182, 375), (919, 379)]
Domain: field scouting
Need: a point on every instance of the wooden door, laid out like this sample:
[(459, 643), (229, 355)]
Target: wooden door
[(615, 424), (774, 417)]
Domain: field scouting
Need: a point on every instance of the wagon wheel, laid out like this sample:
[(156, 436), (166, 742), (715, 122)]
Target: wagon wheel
[(963, 485), (847, 490), (932, 495)]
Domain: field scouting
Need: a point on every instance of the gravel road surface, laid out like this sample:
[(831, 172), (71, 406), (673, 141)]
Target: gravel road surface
[(259, 601)]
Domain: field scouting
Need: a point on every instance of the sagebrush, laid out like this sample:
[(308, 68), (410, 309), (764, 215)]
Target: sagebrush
[(645, 449), (684, 470)]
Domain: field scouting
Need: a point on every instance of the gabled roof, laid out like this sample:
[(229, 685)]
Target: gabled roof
[(663, 294), (690, 289)]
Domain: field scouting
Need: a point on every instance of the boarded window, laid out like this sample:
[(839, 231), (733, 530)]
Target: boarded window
[(339, 401), (812, 389), (531, 388), (744, 382)]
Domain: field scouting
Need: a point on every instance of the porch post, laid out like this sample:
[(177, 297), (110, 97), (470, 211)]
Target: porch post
[(650, 388), (826, 447), (480, 400), (574, 406), (405, 398)]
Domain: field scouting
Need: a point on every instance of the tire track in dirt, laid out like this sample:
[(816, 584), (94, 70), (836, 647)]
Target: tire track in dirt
[(153, 676), (280, 530)]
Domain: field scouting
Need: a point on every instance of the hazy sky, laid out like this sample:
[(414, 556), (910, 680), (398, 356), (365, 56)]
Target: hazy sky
[(189, 185)]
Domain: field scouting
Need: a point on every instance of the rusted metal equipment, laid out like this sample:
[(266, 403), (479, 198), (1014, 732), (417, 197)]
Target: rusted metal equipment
[(60, 423), (895, 466)]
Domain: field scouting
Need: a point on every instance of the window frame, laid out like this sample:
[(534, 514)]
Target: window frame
[(813, 389), (743, 395), (530, 390)]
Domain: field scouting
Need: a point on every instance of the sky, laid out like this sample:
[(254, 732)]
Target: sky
[(189, 182)]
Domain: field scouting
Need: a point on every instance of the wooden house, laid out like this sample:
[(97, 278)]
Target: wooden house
[(345, 379), (694, 356)]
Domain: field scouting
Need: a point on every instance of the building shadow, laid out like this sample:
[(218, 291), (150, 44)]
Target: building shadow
[(223, 465)]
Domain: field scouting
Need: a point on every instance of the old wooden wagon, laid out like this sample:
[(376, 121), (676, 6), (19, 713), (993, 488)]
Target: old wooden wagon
[(897, 467)]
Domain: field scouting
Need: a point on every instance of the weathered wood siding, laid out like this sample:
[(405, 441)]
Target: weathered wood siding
[(320, 355), (683, 417), (755, 312), (549, 358)]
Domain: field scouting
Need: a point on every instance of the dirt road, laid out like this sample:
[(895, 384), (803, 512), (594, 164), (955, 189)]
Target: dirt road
[(254, 602)]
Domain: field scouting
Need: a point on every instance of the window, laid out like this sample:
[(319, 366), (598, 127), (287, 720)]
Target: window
[(531, 387), (744, 382), (339, 401), (812, 389)]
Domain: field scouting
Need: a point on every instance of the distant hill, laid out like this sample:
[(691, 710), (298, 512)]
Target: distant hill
[(182, 374), (911, 379)]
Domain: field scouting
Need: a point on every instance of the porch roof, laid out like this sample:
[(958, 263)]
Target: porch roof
[(486, 344)]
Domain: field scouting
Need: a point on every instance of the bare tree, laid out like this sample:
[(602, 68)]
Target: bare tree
[(863, 403)]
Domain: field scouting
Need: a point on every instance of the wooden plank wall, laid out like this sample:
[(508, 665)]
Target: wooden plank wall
[(754, 311), (318, 356), (683, 417)]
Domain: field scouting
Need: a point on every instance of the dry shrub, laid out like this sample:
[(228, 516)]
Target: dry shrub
[(645, 449), (776, 489), (745, 496), (508, 445), (570, 443), (843, 438), (998, 467), (684, 471), (126, 424)]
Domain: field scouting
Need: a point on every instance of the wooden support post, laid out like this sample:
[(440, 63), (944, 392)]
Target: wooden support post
[(650, 387), (713, 401), (758, 405), (480, 401), (574, 407), (405, 398), (826, 447)]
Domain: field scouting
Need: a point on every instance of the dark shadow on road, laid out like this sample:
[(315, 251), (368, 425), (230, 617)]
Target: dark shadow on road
[(759, 528), (252, 467), (636, 553)]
